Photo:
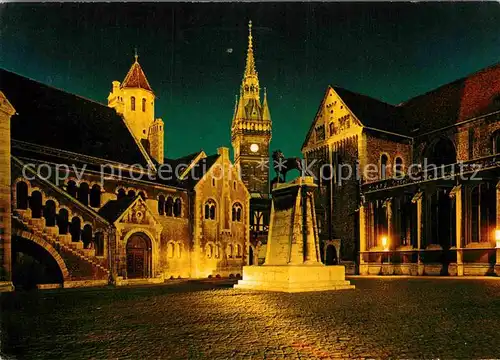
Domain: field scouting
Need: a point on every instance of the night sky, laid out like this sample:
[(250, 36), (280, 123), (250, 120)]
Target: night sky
[(391, 51)]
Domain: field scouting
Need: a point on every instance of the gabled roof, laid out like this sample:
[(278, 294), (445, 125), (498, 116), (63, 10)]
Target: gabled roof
[(53, 118), (371, 112), (199, 170), (113, 209), (136, 78)]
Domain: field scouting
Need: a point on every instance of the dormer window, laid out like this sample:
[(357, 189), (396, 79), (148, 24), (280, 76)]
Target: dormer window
[(132, 103)]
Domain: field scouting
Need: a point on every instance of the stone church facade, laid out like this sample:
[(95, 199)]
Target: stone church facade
[(424, 194), (83, 209)]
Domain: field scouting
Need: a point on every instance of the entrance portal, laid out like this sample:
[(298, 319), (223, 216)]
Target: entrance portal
[(138, 256), (331, 255)]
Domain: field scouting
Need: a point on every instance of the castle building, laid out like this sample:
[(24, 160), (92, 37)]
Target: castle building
[(250, 137), (411, 188), (87, 197)]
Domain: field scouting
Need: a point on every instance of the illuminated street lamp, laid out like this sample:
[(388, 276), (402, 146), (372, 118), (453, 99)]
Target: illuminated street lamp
[(384, 243)]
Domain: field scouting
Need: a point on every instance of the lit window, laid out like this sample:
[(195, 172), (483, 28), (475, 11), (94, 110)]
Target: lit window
[(210, 210), (236, 212)]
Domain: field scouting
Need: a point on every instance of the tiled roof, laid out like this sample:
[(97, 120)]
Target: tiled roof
[(454, 102), (136, 78), (372, 112), (53, 118)]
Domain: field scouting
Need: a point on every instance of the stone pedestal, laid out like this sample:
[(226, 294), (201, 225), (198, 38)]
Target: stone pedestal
[(292, 256), (294, 278)]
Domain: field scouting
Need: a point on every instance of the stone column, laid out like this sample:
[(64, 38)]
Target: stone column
[(459, 229), (110, 239), (363, 238), (417, 199), (390, 224), (6, 112), (371, 219), (497, 264)]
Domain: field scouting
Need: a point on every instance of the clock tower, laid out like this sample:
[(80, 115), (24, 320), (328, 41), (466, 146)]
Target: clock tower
[(251, 130)]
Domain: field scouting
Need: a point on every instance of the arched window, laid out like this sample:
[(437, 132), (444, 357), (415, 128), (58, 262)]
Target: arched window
[(495, 142), (83, 193), (49, 213), (383, 166), (236, 213), (169, 206), (398, 167), (131, 193), (210, 210), (143, 105), (87, 236), (132, 103), (440, 152), (121, 194), (161, 204), (62, 221), (177, 207), (170, 250), (99, 243), (71, 188), (22, 195), (238, 250), (35, 203), (75, 229), (209, 251), (332, 128), (217, 251), (230, 251), (95, 196)]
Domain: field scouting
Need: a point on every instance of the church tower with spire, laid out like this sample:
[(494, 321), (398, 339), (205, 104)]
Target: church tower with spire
[(135, 101), (251, 129)]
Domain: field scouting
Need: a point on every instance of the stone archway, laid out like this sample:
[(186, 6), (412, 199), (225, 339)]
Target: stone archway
[(139, 256), (35, 261), (331, 252)]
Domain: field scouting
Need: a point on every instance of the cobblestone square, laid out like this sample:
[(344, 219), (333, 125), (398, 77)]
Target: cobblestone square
[(381, 318)]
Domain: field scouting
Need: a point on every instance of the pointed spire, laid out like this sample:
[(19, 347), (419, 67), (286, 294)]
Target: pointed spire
[(266, 115), (135, 77), (250, 65), (240, 110)]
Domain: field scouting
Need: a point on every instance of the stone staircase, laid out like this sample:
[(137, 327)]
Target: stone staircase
[(59, 241)]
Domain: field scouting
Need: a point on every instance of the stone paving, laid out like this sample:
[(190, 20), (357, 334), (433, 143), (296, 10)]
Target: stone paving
[(381, 318)]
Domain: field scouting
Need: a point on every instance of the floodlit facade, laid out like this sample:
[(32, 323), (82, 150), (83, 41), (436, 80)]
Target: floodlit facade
[(424, 193), (88, 197)]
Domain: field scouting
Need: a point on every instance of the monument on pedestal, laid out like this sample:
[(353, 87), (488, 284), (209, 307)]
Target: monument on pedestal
[(292, 261)]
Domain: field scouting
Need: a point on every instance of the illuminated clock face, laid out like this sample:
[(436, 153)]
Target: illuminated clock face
[(254, 148)]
